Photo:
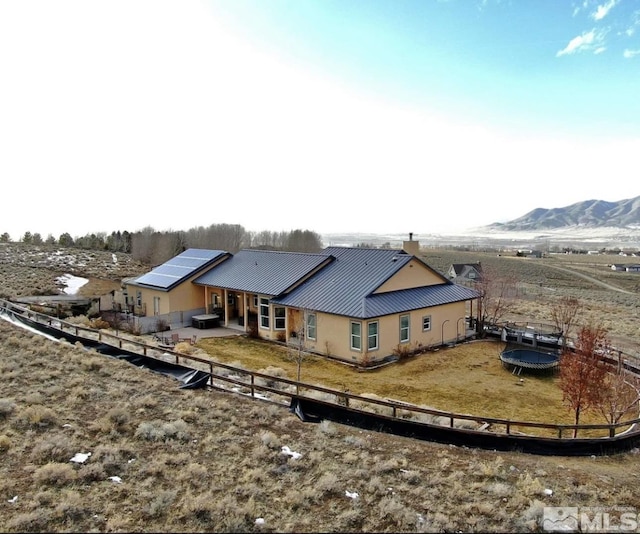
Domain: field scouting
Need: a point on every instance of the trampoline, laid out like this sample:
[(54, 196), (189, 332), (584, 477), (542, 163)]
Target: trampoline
[(530, 359)]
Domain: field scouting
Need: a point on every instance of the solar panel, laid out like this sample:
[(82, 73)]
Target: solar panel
[(178, 268)]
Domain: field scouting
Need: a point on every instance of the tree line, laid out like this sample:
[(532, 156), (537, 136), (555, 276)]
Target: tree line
[(153, 247)]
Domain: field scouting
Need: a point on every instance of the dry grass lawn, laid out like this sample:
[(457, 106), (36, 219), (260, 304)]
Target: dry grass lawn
[(466, 379)]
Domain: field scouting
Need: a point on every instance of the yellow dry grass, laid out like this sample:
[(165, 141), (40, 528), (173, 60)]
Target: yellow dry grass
[(466, 379)]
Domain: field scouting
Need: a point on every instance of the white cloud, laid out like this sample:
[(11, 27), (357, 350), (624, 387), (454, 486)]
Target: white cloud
[(587, 41), (630, 53), (603, 10)]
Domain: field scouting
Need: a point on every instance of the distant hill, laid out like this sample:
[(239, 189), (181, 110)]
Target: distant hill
[(589, 213)]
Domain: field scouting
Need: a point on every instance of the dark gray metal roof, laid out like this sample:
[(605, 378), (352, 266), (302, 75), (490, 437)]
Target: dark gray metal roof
[(346, 286), (266, 272), (178, 268), (415, 299)]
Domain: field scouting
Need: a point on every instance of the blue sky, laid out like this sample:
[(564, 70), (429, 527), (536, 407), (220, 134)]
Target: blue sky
[(373, 116)]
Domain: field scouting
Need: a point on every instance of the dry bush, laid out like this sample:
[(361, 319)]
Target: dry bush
[(184, 347), (161, 503), (52, 448), (36, 416), (99, 324), (32, 521), (163, 431), (115, 420), (7, 407), (54, 474), (5, 443)]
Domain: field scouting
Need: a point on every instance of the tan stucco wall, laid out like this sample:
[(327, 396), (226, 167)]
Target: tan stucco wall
[(186, 296), (333, 332), (413, 274)]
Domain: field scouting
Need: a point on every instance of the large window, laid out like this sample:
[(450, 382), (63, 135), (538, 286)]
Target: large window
[(156, 305), (426, 323), (356, 336), (372, 335), (264, 312), (405, 333), (311, 326), (279, 315)]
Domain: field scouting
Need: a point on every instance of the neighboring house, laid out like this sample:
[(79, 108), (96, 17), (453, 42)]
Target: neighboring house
[(618, 267), (465, 273), (167, 292), (633, 268)]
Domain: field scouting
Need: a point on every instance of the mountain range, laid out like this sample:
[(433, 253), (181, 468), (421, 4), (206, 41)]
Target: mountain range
[(586, 214)]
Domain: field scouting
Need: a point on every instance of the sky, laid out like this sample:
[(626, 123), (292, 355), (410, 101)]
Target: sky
[(361, 116)]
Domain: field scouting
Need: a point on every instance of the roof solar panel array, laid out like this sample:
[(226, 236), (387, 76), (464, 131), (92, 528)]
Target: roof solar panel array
[(177, 269)]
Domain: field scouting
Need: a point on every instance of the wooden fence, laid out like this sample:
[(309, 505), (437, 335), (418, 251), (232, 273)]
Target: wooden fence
[(253, 384)]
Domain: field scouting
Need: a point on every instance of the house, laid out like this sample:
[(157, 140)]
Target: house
[(166, 292), (465, 273), (618, 267), (635, 268), (354, 304)]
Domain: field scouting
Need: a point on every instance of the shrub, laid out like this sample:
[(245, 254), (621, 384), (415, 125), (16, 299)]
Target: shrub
[(5, 443), (159, 431), (37, 416), (99, 324), (54, 474), (52, 448), (7, 407), (34, 521), (160, 505)]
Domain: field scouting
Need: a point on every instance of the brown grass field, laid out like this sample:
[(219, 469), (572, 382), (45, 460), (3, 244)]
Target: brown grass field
[(196, 460)]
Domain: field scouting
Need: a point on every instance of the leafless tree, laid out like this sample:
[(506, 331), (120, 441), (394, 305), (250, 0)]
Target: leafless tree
[(497, 297), (563, 314), (620, 395), (298, 354)]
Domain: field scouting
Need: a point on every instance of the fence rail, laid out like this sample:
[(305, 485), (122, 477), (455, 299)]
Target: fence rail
[(254, 382)]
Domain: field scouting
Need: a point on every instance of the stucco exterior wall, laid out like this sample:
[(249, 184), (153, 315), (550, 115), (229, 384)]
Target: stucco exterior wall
[(333, 332), (414, 274)]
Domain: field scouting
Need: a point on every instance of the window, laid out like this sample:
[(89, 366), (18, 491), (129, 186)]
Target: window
[(156, 305), (356, 336), (426, 323), (264, 313), (139, 298), (279, 314), (405, 333), (372, 336), (255, 301), (311, 326)]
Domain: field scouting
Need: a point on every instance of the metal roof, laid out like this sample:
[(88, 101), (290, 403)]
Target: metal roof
[(346, 286), (265, 272), (415, 298), (178, 268)]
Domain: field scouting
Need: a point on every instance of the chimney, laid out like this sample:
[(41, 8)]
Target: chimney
[(411, 247)]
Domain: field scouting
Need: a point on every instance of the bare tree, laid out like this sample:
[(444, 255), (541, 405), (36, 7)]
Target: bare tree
[(582, 371), (298, 354), (620, 394), (563, 314), (497, 297)]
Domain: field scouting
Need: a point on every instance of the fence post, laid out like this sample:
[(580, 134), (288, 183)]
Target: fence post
[(252, 384)]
